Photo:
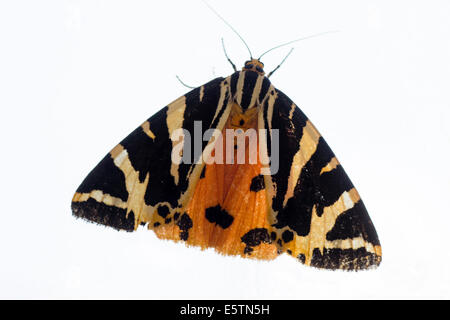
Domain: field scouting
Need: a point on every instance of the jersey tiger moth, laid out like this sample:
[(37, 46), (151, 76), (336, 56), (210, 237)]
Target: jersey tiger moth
[(305, 206)]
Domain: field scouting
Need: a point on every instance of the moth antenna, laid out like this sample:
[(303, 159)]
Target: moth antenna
[(303, 38), (271, 72), (230, 26), (226, 55), (184, 84)]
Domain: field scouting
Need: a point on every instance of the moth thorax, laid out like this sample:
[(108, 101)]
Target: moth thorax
[(243, 119), (254, 65)]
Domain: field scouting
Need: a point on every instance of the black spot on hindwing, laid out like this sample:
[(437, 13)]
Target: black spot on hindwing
[(257, 183), (301, 257), (287, 236), (254, 238), (273, 236), (219, 216), (185, 223), (163, 211)]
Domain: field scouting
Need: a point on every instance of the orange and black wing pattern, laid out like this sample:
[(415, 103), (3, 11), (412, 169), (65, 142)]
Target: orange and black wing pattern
[(290, 196)]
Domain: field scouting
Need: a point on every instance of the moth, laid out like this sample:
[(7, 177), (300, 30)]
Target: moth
[(304, 206)]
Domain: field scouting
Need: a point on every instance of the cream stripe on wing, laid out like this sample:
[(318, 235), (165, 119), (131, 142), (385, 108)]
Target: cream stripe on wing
[(330, 165), (146, 128), (223, 93), (101, 197), (175, 117), (202, 93), (136, 189), (307, 147), (256, 91), (320, 226), (195, 171), (354, 243), (291, 112), (271, 103), (221, 122), (240, 87), (262, 144)]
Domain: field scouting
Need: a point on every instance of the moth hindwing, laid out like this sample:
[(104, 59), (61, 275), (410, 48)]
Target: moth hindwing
[(294, 197)]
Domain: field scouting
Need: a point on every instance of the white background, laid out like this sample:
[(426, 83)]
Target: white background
[(77, 76)]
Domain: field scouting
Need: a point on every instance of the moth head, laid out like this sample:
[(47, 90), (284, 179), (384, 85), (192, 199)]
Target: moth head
[(254, 65), (249, 87)]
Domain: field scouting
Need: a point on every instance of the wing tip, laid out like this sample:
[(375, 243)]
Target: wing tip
[(103, 214), (345, 259)]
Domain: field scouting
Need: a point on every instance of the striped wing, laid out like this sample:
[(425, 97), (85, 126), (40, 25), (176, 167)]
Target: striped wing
[(307, 208), (316, 212), (137, 182)]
